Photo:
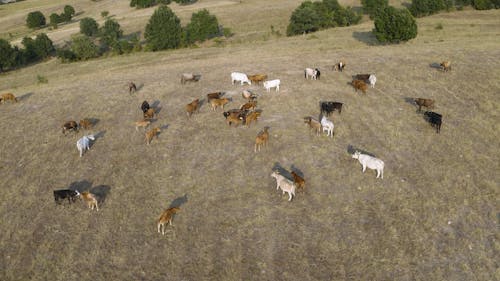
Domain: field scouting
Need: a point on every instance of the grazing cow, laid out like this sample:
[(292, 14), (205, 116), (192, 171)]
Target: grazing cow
[(149, 114), (261, 139), (90, 199), (370, 162), (166, 219), (429, 103), (367, 78), (272, 84), (70, 126), (185, 77), (242, 77), (285, 184), (327, 107), (298, 180), (314, 73), (327, 126), (84, 143), (372, 80), (252, 116), (85, 123), (359, 85), (151, 134), (339, 66), (251, 105), (435, 119), (143, 123), (446, 65), (236, 116), (8, 96), (62, 194), (313, 124), (131, 87), (257, 78), (145, 106), (192, 107), (249, 95), (219, 103)]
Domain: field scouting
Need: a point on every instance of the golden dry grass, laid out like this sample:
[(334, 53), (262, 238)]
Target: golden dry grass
[(434, 216)]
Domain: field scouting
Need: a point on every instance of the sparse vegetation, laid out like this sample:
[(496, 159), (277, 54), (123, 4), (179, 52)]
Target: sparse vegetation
[(394, 25)]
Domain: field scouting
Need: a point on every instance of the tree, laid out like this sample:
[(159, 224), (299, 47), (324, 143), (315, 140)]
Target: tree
[(371, 6), (142, 3), (88, 26), (394, 25), (54, 20), (202, 26), (111, 32), (29, 52), (69, 11), (482, 4), (83, 47), (163, 30), (7, 55), (35, 19), (43, 46), (304, 19), (184, 2), (421, 8)]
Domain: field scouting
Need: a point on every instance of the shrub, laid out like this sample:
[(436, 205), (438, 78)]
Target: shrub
[(202, 26), (421, 8), (142, 3), (42, 79), (35, 19), (313, 16), (482, 4), (68, 13), (394, 25), (66, 55), (184, 2), (370, 7), (83, 47), (43, 46), (88, 26), (29, 53), (7, 55), (163, 30), (54, 20), (110, 31)]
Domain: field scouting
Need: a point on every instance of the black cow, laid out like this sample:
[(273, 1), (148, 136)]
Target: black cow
[(145, 106), (327, 107), (62, 194), (435, 119)]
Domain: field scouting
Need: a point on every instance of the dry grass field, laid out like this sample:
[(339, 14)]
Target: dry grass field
[(434, 216)]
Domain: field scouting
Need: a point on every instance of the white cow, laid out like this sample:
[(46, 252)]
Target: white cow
[(370, 162), (84, 143), (272, 84), (311, 72), (242, 77), (285, 184), (372, 79), (327, 126)]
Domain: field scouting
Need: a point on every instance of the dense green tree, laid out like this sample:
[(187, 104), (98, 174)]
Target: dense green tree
[(370, 7), (421, 8), (55, 19), (84, 48), (394, 25), (69, 11), (304, 19), (44, 47), (89, 26), (202, 26), (111, 31), (163, 30), (482, 4), (35, 19), (7, 55)]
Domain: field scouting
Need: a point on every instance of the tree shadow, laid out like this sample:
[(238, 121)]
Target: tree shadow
[(25, 96), (366, 37), (101, 191), (80, 186), (179, 201), (351, 149)]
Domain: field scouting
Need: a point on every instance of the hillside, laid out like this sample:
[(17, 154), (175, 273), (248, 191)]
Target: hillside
[(434, 216)]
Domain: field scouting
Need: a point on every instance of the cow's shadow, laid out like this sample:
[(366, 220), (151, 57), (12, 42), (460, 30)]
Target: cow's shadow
[(277, 167), (351, 149), (179, 201), (24, 97), (101, 191), (436, 65), (80, 186)]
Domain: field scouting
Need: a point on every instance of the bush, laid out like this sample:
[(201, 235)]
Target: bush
[(42, 79), (35, 19), (482, 4), (104, 14), (43, 46), (185, 2), (142, 3), (83, 47), (7, 55), (68, 13), (163, 30), (66, 55), (421, 8), (54, 20), (110, 31), (370, 7), (394, 25), (89, 26), (202, 26), (313, 16)]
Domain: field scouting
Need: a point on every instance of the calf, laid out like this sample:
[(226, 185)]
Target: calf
[(8, 97), (370, 162), (446, 65), (149, 114), (143, 123), (298, 180), (131, 87), (84, 143), (192, 107), (327, 107), (151, 134), (359, 85), (435, 119), (216, 102), (261, 139), (62, 194), (429, 103), (166, 219), (313, 124), (339, 66), (257, 78), (70, 126), (90, 199), (251, 105), (85, 123), (185, 77), (252, 116)]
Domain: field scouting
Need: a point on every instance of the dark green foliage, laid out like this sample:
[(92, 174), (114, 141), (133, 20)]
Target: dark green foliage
[(7, 55), (43, 46), (202, 26), (84, 48), (68, 13), (35, 19), (185, 2), (313, 16), (142, 3), (370, 7), (54, 20), (29, 52), (482, 4), (110, 31), (66, 55), (163, 30), (421, 8), (394, 25), (89, 26)]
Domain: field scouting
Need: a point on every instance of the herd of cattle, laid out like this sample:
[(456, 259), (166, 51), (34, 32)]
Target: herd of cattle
[(245, 115)]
